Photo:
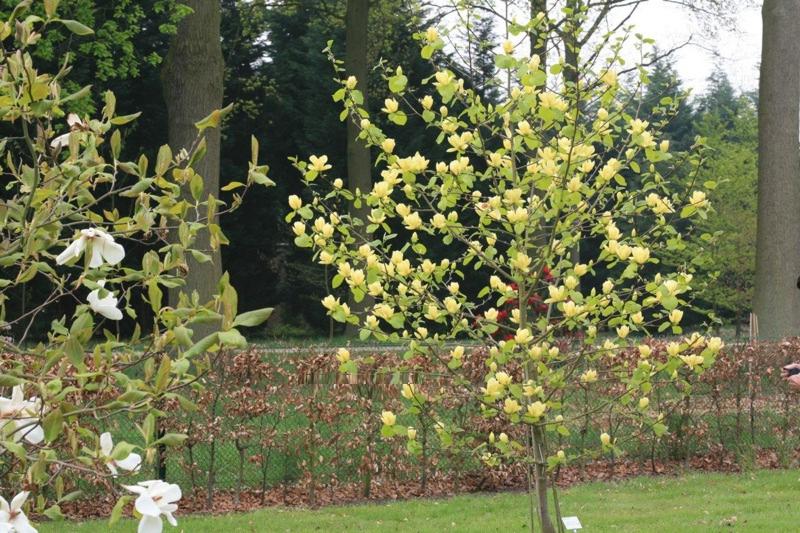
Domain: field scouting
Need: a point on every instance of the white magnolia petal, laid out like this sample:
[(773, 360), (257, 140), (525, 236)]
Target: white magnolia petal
[(106, 307), (130, 463), (150, 524), (106, 443), (74, 120), (4, 508), (97, 255), (17, 395), (112, 252), (171, 494), (18, 501), (34, 435), (21, 524), (5, 527), (135, 489), (171, 518), (75, 249), (60, 141), (112, 468), (146, 506)]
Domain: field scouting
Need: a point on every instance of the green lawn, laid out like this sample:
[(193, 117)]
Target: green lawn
[(761, 501)]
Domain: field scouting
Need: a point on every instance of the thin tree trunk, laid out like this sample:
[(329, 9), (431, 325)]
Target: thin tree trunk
[(359, 164), (777, 297), (192, 79), (538, 39)]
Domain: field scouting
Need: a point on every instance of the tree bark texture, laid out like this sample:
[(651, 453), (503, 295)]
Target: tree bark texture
[(192, 79), (777, 296)]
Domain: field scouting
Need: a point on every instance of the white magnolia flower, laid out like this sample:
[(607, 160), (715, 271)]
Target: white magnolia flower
[(104, 306), (131, 463), (155, 498), (23, 415), (104, 249), (75, 124), (12, 519)]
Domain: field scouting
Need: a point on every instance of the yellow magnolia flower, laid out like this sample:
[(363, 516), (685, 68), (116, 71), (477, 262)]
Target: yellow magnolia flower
[(508, 47), (624, 251), (557, 294), (623, 331), (330, 302), (645, 351), (693, 360), (644, 402), (571, 309), (637, 317), (388, 418), (413, 221), (408, 391), (457, 352), (536, 409), (431, 34), (412, 433), (608, 286), (715, 344), (605, 439), (675, 316), (640, 255), (673, 349), (524, 128), (388, 145), (351, 82), (590, 376), (551, 100), (390, 105), (295, 202), (511, 406), (503, 378), (698, 199), (298, 228), (523, 336), (609, 78), (343, 355), (320, 164), (491, 314), (493, 388), (613, 232), (521, 262)]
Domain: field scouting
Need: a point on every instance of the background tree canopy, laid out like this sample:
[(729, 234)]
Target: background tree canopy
[(280, 84)]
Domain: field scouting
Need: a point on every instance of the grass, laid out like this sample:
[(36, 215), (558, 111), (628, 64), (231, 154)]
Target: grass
[(760, 501)]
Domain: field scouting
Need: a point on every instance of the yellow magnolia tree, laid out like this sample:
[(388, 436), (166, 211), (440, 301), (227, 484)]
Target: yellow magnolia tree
[(525, 182)]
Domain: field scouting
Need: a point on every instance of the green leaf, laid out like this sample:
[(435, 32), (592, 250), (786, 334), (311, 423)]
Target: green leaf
[(122, 450), (7, 380), (116, 513), (253, 318), (52, 424), (202, 345), (76, 27), (214, 119), (398, 83), (171, 439), (232, 337), (163, 159)]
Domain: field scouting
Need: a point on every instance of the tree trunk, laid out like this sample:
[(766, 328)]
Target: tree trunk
[(359, 164), (777, 297), (192, 79), (538, 38)]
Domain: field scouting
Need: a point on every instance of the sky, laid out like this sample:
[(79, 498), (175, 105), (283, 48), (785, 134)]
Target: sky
[(736, 51)]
